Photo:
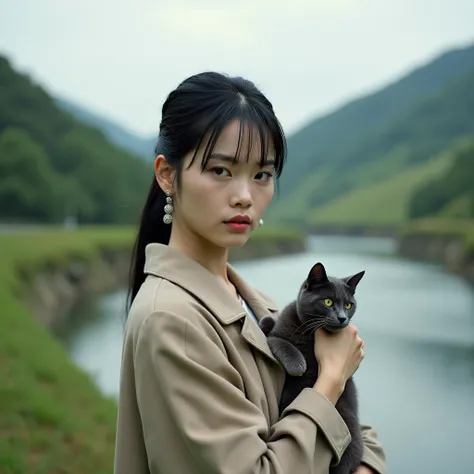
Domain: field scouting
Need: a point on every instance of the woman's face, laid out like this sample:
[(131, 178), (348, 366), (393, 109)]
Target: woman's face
[(210, 204)]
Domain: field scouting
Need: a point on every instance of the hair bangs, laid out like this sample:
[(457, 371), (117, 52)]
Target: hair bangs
[(271, 137), (251, 120)]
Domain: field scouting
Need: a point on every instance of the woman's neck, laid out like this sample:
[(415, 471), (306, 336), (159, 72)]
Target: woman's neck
[(209, 256)]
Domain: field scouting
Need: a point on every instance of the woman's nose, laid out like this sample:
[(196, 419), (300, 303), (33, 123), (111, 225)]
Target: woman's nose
[(242, 196)]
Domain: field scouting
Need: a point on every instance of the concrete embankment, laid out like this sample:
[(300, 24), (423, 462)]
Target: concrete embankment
[(448, 242)]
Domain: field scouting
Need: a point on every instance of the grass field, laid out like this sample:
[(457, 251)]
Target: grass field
[(53, 419)]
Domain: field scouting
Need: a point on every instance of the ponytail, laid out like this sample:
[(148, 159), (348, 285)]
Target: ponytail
[(152, 229)]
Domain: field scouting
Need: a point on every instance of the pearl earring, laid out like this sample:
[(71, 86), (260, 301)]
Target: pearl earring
[(168, 217), (260, 222)]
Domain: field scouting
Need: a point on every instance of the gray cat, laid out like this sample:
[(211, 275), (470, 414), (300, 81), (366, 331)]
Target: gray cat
[(322, 302)]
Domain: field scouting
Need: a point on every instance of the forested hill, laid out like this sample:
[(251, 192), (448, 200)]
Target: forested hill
[(376, 138), (117, 134), (452, 194), (54, 166), (328, 136)]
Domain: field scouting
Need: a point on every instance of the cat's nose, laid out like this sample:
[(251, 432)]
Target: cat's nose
[(342, 319)]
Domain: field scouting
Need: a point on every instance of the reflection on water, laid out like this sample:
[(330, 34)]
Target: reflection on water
[(416, 384)]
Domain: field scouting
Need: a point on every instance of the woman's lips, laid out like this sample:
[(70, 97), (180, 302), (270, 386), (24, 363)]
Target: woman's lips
[(237, 226)]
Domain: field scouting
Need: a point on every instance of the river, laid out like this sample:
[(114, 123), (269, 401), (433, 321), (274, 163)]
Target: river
[(416, 383)]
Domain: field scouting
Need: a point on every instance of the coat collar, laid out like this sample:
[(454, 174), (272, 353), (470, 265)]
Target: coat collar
[(173, 265)]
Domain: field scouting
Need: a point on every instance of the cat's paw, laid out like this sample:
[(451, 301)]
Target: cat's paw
[(266, 324), (289, 356), (296, 368)]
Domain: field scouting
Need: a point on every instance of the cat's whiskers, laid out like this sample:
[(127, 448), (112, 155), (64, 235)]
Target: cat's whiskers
[(313, 318), (309, 326), (313, 328), (308, 329), (299, 327)]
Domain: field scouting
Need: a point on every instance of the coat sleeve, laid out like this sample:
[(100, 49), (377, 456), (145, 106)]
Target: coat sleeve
[(374, 455), (196, 419)]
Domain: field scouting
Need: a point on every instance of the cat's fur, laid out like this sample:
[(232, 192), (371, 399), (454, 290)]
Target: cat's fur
[(291, 338)]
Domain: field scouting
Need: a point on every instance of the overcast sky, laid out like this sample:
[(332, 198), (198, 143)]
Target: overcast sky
[(120, 58)]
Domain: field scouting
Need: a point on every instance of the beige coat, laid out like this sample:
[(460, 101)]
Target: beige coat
[(199, 386)]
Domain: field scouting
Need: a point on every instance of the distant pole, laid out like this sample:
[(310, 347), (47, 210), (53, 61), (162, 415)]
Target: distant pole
[(70, 220)]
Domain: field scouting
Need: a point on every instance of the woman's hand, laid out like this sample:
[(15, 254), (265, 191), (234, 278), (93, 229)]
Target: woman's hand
[(364, 470), (339, 355)]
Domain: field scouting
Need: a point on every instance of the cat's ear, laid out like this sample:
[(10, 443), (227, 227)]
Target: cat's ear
[(317, 275), (353, 281)]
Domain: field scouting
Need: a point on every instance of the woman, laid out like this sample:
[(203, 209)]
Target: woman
[(199, 386)]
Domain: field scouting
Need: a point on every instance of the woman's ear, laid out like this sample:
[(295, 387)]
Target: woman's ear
[(164, 173)]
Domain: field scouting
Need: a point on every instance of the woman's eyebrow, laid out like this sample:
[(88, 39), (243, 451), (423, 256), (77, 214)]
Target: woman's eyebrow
[(231, 158), (222, 156)]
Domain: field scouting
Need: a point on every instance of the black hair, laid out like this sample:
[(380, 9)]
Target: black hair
[(200, 108)]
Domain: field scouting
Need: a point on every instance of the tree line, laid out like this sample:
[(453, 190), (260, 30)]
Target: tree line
[(53, 166)]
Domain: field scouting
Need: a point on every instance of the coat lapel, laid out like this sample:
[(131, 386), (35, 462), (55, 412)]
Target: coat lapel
[(211, 291), (255, 337), (261, 306)]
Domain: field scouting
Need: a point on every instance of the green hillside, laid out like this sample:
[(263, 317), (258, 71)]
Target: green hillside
[(440, 187), (324, 139), (297, 208), (385, 203), (432, 124), (451, 194), (54, 166)]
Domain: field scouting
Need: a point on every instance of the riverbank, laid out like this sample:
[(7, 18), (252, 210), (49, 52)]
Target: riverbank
[(352, 230), (92, 261), (53, 417), (270, 242), (450, 242)]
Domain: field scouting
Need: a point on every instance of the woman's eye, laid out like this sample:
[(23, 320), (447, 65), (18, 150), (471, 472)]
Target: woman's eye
[(265, 174), (219, 171)]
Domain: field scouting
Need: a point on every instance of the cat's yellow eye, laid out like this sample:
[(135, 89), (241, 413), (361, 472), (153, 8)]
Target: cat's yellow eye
[(348, 305), (328, 302)]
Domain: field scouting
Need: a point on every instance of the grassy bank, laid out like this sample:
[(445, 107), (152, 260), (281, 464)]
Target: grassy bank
[(53, 419), (449, 242), (462, 229), (380, 202), (270, 234)]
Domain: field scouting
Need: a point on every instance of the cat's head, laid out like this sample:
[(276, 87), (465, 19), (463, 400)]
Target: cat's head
[(327, 300)]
